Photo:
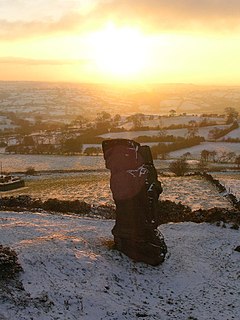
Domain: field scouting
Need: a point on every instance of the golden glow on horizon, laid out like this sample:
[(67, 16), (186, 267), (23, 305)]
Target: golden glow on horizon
[(115, 41), (123, 54), (119, 52)]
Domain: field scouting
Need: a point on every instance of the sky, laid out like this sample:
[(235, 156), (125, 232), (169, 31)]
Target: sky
[(143, 41)]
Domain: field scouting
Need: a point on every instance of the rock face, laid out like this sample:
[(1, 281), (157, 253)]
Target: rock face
[(135, 190)]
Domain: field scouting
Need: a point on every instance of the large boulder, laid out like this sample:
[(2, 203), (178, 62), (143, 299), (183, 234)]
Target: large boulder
[(135, 190)]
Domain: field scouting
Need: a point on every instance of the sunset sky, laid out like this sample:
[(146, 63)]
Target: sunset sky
[(143, 41)]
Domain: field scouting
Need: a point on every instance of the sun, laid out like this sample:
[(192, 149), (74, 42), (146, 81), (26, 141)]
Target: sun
[(119, 53)]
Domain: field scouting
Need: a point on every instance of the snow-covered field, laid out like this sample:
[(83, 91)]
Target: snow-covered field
[(94, 188), (129, 134), (165, 121), (233, 134), (230, 181), (20, 162), (195, 192), (70, 272), (203, 132), (219, 147)]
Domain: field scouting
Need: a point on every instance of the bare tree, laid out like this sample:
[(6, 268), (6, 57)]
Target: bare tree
[(172, 112), (205, 155), (137, 120), (231, 114), (117, 119), (103, 120), (186, 155), (237, 161), (192, 129), (202, 165), (212, 154)]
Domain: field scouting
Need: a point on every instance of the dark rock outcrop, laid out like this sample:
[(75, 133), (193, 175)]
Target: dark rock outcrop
[(237, 249), (135, 190)]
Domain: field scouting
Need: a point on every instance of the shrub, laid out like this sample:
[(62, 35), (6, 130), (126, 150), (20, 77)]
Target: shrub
[(30, 171), (67, 206), (9, 265), (179, 167)]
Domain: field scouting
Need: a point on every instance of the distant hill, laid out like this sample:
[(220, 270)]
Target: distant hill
[(73, 98)]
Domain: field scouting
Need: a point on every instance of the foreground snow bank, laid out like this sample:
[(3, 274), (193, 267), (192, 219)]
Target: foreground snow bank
[(70, 272)]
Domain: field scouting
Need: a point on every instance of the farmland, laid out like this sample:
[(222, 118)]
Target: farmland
[(93, 188), (69, 267), (56, 114)]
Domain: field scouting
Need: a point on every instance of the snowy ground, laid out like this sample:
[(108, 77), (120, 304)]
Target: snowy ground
[(166, 121), (203, 132), (233, 134), (94, 188), (70, 273), (195, 192), (231, 181), (20, 162), (219, 147)]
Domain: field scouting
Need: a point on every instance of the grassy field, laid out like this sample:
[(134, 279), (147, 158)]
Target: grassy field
[(94, 188)]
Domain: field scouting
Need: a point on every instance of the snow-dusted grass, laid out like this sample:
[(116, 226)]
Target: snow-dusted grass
[(165, 121), (70, 273), (231, 181), (195, 192), (90, 187), (233, 134), (129, 134), (219, 147), (94, 189), (20, 162), (203, 132)]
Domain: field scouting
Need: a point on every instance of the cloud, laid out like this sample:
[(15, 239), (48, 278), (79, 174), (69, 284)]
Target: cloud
[(29, 62), (28, 10), (177, 15), (26, 18), (26, 29), (152, 15)]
